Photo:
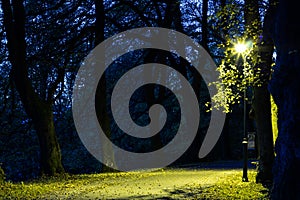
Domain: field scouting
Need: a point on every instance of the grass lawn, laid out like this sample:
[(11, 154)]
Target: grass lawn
[(160, 184)]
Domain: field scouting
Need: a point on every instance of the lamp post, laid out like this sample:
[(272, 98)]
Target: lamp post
[(241, 48), (245, 139)]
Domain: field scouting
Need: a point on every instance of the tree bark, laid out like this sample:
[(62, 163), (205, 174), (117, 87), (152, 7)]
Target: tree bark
[(40, 111), (261, 96), (262, 107), (49, 147), (101, 95), (263, 113), (285, 89)]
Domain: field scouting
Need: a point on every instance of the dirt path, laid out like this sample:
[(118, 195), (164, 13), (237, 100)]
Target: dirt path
[(163, 184)]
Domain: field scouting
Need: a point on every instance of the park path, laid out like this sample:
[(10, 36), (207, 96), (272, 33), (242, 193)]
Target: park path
[(161, 184)]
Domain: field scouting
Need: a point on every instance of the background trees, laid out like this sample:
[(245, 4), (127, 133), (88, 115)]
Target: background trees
[(46, 46), (44, 42)]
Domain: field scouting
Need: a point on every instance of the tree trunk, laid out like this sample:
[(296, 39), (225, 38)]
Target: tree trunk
[(49, 147), (285, 89), (172, 20), (263, 114), (101, 96), (261, 96), (40, 111), (262, 107)]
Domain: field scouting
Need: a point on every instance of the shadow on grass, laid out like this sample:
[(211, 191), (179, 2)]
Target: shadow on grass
[(172, 194)]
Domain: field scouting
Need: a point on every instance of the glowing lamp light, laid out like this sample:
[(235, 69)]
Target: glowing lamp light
[(240, 47)]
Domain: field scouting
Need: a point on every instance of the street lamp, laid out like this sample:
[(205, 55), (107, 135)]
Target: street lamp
[(241, 48)]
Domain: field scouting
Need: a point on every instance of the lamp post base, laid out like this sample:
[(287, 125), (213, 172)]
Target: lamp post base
[(245, 179), (245, 168)]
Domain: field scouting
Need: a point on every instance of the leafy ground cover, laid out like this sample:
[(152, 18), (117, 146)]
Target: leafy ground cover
[(159, 184)]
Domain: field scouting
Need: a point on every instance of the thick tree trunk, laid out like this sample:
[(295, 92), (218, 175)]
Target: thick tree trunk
[(49, 149), (262, 107), (262, 101), (38, 110), (285, 89), (261, 96)]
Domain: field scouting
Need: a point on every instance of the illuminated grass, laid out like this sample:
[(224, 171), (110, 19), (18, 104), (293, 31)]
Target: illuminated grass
[(161, 184), (234, 188)]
